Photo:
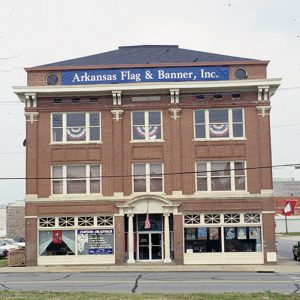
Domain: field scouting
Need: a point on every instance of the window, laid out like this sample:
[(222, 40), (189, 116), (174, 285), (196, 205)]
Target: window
[(242, 239), (76, 127), (203, 239), (47, 222), (147, 177), (76, 179), (220, 176), (146, 126), (57, 242), (219, 123), (227, 232)]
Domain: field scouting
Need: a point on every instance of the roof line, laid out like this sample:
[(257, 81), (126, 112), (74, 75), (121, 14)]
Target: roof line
[(217, 63)]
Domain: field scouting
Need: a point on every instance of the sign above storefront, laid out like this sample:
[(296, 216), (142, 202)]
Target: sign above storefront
[(133, 75)]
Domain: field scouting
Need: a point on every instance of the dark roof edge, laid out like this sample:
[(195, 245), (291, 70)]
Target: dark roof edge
[(221, 63)]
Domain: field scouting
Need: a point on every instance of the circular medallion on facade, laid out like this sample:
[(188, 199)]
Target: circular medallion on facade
[(52, 79), (241, 73)]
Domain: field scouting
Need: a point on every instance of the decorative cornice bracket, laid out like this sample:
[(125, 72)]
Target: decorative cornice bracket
[(175, 112), (263, 110), (31, 116), (117, 114), (117, 97), (174, 96), (263, 93), (30, 100)]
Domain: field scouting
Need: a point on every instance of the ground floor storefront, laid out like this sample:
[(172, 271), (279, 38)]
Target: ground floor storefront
[(151, 230)]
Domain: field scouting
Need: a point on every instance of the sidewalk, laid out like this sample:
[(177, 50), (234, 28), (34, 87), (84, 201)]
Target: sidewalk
[(290, 267), (283, 265)]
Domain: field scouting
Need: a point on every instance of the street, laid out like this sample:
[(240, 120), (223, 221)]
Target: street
[(164, 282), (154, 282)]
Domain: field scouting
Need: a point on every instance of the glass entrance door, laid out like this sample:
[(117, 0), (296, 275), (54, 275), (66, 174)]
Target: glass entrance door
[(150, 246)]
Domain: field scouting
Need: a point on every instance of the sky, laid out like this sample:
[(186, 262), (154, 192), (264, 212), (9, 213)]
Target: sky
[(37, 32)]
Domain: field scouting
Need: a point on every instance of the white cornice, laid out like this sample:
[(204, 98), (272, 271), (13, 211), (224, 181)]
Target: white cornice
[(252, 84)]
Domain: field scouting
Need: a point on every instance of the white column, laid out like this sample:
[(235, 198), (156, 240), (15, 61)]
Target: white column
[(130, 241), (167, 238)]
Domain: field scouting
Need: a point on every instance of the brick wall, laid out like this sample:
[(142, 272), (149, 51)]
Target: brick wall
[(15, 221)]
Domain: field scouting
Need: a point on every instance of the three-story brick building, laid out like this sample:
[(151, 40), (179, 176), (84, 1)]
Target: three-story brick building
[(149, 153)]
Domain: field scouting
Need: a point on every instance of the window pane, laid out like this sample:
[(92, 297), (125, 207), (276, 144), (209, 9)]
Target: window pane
[(94, 171), (154, 118), (95, 186), (57, 186), (199, 117), (218, 123), (218, 116), (220, 168), (57, 120), (57, 134), (76, 186), (220, 184), (139, 185), (95, 134), (240, 183), (155, 169), (76, 172), (154, 132), (138, 132), (200, 131), (201, 184), (239, 168), (238, 130), (237, 115), (138, 118), (94, 119), (201, 169), (139, 169), (76, 120), (57, 171), (156, 185)]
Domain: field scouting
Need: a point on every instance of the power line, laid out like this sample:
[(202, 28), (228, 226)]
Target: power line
[(147, 175)]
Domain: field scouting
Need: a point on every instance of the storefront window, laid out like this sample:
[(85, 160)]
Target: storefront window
[(202, 239), (226, 232), (95, 242), (242, 239), (57, 242)]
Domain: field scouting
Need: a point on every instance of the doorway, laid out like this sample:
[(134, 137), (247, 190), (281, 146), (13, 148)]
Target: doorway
[(150, 246)]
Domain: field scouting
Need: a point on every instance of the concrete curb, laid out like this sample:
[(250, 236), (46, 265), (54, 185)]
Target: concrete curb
[(155, 268)]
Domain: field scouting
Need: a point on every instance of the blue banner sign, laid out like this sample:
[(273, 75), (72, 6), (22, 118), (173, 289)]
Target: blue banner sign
[(174, 74), (95, 241)]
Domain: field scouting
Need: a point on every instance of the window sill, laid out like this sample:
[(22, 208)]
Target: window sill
[(145, 141), (74, 143), (147, 193), (220, 139), (65, 197), (210, 194)]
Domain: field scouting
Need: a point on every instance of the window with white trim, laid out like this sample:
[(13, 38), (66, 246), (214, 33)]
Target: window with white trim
[(226, 232), (76, 179), (76, 127), (220, 176), (146, 126), (147, 177), (219, 123)]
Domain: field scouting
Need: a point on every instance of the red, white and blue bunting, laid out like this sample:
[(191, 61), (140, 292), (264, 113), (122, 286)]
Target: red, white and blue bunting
[(218, 130), (76, 133), (153, 130)]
